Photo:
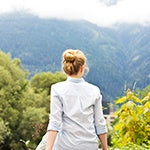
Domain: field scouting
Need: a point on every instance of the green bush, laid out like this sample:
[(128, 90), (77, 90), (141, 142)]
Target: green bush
[(132, 126)]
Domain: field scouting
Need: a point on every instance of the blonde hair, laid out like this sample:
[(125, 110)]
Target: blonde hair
[(72, 61)]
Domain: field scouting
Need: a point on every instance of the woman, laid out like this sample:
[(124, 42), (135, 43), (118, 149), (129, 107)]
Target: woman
[(76, 118)]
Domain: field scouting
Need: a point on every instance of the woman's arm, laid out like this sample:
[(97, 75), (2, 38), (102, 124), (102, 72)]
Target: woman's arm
[(100, 122), (103, 139), (55, 121), (51, 139)]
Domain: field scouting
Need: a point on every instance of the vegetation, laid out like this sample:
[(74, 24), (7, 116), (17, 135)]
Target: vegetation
[(132, 126), (113, 53), (24, 105)]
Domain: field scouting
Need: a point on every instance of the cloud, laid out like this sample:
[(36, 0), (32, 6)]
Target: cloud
[(101, 12), (109, 2)]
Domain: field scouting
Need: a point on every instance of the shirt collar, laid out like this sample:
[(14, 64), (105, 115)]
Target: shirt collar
[(75, 80)]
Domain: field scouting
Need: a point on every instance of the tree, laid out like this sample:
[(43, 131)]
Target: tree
[(13, 83), (132, 127), (4, 132), (24, 105), (43, 81)]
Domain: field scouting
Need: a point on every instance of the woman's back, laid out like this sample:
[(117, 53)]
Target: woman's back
[(77, 100), (76, 117)]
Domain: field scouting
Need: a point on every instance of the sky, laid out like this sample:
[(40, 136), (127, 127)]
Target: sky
[(100, 12)]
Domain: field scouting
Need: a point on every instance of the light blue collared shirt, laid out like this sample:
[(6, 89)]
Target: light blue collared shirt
[(76, 112)]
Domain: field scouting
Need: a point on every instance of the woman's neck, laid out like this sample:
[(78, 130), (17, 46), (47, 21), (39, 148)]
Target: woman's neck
[(76, 76)]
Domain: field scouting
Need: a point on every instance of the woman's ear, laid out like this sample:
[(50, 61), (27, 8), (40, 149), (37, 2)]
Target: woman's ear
[(82, 68)]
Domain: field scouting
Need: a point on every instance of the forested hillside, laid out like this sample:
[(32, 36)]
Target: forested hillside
[(24, 110), (116, 56)]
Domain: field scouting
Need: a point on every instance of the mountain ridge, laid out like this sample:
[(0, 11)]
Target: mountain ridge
[(116, 55)]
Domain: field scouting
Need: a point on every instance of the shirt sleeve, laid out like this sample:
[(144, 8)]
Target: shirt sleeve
[(100, 122), (55, 117)]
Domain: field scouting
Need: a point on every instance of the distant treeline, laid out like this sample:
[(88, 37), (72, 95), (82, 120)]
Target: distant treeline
[(118, 57)]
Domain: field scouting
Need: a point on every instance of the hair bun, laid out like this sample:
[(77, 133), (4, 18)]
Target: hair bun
[(69, 57)]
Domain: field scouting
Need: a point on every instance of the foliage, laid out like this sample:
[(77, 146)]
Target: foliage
[(130, 146), (132, 126), (4, 132), (43, 81), (24, 105), (142, 93), (24, 109)]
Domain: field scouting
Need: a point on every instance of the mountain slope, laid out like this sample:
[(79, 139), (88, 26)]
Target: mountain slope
[(115, 55)]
